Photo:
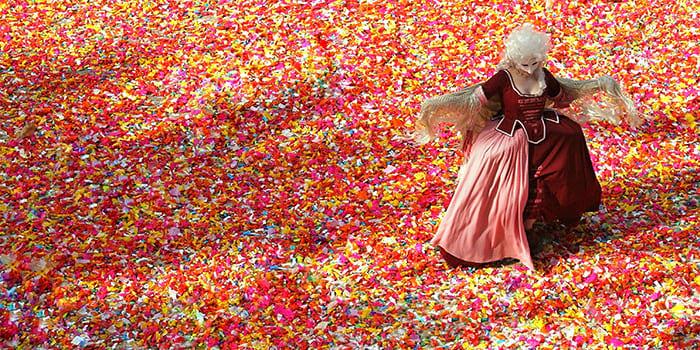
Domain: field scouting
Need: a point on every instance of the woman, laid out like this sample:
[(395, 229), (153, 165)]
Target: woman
[(525, 163)]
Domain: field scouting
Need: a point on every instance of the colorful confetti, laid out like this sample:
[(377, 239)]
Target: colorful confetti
[(233, 174)]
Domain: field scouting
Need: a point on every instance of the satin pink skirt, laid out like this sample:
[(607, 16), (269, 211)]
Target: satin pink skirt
[(484, 221)]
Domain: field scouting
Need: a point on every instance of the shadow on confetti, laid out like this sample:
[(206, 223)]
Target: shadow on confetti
[(649, 225), (308, 210)]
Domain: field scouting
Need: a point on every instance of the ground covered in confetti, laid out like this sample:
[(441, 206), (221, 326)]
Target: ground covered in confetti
[(202, 174)]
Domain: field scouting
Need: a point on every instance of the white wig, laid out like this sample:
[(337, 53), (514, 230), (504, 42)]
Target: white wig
[(467, 110), (522, 43)]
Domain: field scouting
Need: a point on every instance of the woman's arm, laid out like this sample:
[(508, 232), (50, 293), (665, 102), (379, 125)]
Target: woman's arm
[(619, 107), (467, 109), (557, 95)]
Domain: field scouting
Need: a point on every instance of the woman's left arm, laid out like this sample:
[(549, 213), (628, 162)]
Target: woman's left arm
[(555, 92)]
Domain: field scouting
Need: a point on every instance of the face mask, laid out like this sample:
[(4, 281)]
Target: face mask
[(528, 65)]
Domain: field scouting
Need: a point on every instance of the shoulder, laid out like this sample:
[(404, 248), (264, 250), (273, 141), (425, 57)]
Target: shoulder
[(495, 84), (500, 76), (547, 73)]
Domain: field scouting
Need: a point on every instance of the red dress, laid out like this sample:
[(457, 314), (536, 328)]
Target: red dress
[(531, 164), (562, 182)]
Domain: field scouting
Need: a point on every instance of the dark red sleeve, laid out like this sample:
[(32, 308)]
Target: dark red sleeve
[(553, 87), (494, 85)]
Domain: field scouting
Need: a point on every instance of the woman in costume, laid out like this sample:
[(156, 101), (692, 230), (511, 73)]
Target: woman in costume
[(523, 162)]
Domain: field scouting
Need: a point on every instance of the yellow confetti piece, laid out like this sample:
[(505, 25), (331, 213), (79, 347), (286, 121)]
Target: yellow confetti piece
[(678, 309)]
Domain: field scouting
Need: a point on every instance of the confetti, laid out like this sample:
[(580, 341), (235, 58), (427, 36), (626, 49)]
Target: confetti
[(234, 174)]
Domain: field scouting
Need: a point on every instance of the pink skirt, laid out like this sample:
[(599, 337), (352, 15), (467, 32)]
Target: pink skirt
[(484, 221)]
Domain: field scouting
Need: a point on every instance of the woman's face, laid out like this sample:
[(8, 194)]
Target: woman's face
[(528, 65)]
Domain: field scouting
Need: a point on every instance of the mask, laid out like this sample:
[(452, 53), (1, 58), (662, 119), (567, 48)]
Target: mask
[(528, 65)]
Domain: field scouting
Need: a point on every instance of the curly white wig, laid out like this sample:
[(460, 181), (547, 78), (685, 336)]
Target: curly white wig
[(524, 42)]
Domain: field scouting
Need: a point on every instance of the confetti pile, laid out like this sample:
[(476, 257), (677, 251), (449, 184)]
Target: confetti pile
[(223, 174)]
